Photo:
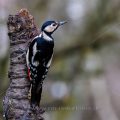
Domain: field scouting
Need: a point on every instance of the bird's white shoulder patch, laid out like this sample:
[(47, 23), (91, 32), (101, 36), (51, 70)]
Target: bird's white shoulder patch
[(35, 63), (34, 49)]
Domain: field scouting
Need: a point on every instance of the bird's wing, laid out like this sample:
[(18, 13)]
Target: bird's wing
[(30, 56)]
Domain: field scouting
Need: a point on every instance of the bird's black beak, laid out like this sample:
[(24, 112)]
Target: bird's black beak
[(62, 23)]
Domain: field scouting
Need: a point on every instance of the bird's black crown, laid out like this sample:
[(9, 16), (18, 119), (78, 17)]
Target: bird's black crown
[(47, 23)]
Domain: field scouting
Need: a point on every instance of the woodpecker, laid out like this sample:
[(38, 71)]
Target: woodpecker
[(39, 56)]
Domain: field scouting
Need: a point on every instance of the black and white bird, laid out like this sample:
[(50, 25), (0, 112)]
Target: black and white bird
[(39, 56)]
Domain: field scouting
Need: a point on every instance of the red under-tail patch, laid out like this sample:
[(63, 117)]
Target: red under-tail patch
[(29, 73)]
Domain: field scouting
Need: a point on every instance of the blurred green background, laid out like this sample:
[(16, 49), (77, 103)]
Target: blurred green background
[(83, 82)]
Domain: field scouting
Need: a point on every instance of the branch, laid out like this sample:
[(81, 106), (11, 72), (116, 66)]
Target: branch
[(16, 105)]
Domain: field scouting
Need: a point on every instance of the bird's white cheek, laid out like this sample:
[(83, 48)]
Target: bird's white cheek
[(50, 28)]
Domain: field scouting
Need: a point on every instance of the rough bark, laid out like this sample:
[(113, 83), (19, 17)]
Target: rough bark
[(16, 105)]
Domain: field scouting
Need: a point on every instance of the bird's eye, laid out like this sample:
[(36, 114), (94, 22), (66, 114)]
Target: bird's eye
[(54, 24)]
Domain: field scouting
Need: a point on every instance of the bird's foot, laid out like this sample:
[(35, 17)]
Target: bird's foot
[(37, 109), (29, 95), (33, 107), (40, 110)]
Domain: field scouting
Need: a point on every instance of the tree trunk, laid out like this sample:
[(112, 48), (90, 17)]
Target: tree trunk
[(16, 105)]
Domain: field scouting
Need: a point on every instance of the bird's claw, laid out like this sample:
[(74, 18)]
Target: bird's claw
[(37, 109), (33, 107)]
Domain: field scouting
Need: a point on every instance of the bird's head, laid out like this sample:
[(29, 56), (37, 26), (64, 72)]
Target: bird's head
[(50, 26)]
